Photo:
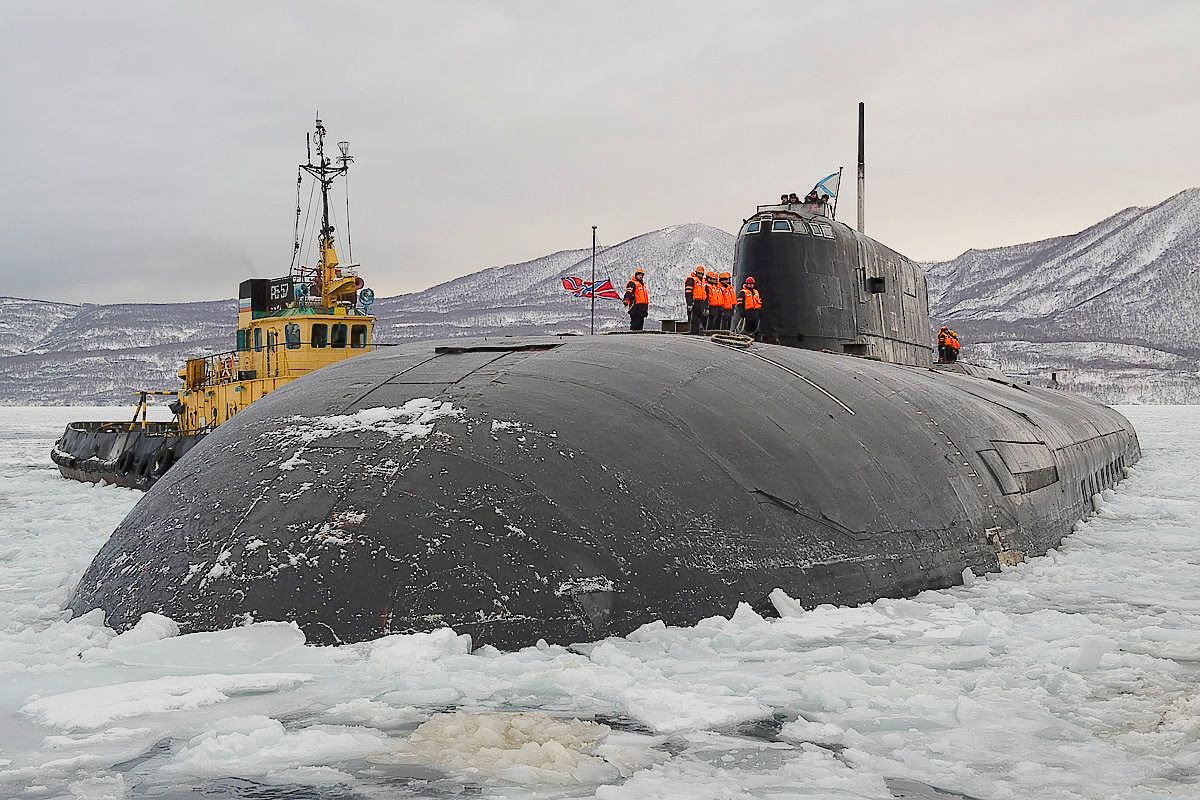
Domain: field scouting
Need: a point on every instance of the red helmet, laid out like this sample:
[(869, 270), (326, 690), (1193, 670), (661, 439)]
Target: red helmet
[(750, 281)]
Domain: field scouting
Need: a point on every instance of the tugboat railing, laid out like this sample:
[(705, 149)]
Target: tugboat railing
[(205, 372)]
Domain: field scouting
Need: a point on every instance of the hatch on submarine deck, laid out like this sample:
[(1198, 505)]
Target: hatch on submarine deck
[(577, 487)]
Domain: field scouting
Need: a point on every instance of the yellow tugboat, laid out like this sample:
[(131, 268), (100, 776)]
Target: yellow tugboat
[(286, 328)]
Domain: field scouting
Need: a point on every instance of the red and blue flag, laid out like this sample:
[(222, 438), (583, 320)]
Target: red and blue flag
[(582, 288)]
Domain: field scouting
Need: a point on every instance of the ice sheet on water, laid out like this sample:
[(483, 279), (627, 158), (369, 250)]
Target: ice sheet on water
[(257, 746), (88, 709), (1071, 676)]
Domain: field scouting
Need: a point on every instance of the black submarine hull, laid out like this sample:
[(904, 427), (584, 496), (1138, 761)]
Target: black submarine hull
[(129, 454), (578, 487)]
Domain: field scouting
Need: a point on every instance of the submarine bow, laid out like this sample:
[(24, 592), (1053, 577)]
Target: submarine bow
[(576, 487)]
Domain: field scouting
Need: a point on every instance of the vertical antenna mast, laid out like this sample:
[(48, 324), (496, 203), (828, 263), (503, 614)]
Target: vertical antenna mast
[(323, 165), (324, 172), (862, 172)]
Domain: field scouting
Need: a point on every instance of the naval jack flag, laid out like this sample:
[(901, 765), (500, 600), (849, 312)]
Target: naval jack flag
[(829, 185)]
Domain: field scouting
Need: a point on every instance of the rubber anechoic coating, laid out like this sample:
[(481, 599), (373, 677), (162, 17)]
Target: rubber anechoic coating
[(574, 488)]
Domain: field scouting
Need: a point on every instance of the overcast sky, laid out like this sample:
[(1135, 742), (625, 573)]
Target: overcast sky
[(152, 146)]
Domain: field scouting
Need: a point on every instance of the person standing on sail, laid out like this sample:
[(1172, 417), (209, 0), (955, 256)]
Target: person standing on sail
[(637, 299)]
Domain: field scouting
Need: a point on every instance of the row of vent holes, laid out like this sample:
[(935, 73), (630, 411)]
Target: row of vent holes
[(1108, 475)]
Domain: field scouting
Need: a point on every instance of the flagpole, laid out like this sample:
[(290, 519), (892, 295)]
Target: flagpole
[(593, 280), (839, 192)]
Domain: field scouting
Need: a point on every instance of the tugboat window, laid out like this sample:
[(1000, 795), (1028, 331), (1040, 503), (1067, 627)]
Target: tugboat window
[(257, 339), (339, 336), (358, 336), (243, 343), (799, 227), (781, 225), (320, 335), (753, 227), (291, 333)]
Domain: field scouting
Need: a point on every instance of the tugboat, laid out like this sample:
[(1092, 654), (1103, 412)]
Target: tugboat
[(286, 327)]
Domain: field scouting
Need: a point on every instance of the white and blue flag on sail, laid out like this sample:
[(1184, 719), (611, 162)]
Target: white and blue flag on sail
[(829, 184)]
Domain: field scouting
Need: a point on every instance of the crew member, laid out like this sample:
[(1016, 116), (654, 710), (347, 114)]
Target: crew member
[(749, 304), (943, 339), (696, 295), (727, 295), (689, 289), (952, 346), (812, 198), (637, 299), (713, 289)]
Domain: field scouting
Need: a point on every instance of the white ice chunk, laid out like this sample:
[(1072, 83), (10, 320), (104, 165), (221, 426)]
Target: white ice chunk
[(405, 652), (150, 628), (101, 705), (258, 745)]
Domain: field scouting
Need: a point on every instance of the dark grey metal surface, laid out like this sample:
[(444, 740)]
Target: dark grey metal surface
[(645, 477), (826, 286)]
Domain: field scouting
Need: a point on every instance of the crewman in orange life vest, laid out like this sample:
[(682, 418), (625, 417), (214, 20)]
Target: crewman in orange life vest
[(724, 302), (713, 290), (943, 338), (952, 346), (695, 298), (749, 303), (637, 299)]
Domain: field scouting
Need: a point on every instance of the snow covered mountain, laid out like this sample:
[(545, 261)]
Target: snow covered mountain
[(529, 297), (1106, 308), (61, 354)]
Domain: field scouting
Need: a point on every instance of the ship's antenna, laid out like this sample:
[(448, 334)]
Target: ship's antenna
[(862, 172), (345, 159), (325, 173), (296, 231), (323, 166)]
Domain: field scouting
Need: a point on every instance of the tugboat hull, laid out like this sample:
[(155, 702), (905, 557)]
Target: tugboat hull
[(130, 454), (575, 488)]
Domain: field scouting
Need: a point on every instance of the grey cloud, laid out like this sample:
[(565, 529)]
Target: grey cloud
[(152, 146)]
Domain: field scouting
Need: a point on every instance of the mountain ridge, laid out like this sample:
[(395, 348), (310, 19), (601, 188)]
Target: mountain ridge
[(1104, 308)]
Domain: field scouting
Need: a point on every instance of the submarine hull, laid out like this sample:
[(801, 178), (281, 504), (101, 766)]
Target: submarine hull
[(577, 487)]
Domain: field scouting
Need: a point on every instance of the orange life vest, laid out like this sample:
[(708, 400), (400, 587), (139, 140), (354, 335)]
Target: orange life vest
[(640, 296), (943, 337), (751, 300), (699, 292), (729, 296), (952, 342)]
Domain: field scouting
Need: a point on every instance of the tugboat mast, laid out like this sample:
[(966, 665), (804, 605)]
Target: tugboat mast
[(325, 173)]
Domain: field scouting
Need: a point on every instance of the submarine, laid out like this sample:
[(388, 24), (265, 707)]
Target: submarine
[(570, 488)]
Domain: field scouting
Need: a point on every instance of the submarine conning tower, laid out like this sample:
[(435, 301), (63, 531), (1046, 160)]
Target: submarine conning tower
[(826, 286)]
